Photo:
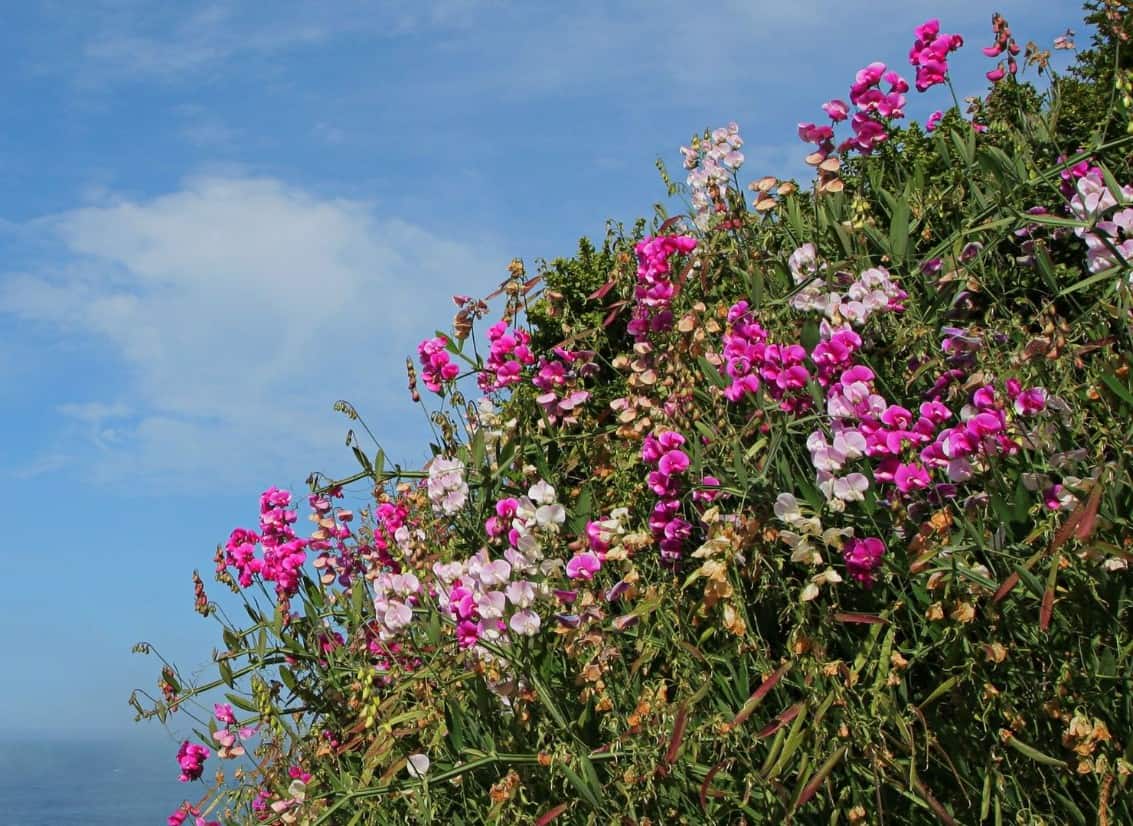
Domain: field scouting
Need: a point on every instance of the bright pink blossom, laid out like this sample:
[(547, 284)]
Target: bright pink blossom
[(191, 758)]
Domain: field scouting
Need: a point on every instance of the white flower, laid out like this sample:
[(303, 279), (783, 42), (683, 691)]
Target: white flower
[(446, 486), (495, 573), (787, 508), (404, 584), (525, 622), (521, 593), (448, 572), (851, 488), (418, 765), (550, 516), (397, 616), (542, 493), (490, 604)]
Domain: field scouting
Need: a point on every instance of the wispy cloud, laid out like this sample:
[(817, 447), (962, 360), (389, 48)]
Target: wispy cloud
[(522, 46), (132, 38), (237, 309)]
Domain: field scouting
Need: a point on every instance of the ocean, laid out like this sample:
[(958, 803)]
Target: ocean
[(90, 782)]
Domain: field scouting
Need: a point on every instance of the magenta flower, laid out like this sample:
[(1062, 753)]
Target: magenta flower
[(674, 461), (224, 713), (191, 758), (929, 54), (863, 558), (655, 289), (467, 633), (838, 111), (583, 565), (1030, 402)]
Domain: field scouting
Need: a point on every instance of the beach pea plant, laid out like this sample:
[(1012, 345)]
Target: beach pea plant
[(811, 505)]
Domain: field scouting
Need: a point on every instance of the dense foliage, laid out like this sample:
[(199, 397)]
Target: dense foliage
[(810, 506)]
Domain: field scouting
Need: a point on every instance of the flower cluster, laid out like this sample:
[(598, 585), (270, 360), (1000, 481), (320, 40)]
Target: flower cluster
[(509, 353), (875, 108), (558, 379), (862, 557), (436, 366), (395, 594), (662, 451), (712, 161), (447, 489), (284, 552), (801, 535), (871, 292), (488, 597), (229, 741), (929, 54), (187, 810), (750, 362), (330, 536), (191, 758), (905, 448), (1004, 44), (1109, 241), (655, 288)]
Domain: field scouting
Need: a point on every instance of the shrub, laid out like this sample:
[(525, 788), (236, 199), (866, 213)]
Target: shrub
[(807, 507)]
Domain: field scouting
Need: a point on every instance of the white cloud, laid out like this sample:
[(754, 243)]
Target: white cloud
[(238, 310)]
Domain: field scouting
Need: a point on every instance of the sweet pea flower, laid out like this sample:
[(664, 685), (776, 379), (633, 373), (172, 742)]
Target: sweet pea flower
[(838, 110), (583, 565), (863, 558), (417, 765), (526, 623), (191, 758)]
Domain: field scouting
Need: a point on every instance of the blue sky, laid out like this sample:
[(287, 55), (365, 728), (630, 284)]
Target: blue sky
[(218, 218)]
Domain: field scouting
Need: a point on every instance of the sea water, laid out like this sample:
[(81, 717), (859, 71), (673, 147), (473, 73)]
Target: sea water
[(119, 781)]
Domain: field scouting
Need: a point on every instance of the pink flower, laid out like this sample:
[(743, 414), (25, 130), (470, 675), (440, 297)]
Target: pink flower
[(467, 633), (674, 461), (191, 758), (436, 368), (224, 713), (655, 288), (863, 558), (525, 622), (910, 476), (1031, 401), (837, 110), (929, 54), (583, 565), (934, 120)]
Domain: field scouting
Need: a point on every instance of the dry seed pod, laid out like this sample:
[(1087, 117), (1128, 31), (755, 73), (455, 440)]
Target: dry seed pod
[(765, 184)]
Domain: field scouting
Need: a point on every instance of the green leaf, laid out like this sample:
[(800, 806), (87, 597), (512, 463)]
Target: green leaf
[(711, 372), (1113, 383), (581, 786), (241, 703), (899, 229), (454, 721), (582, 510), (288, 678), (226, 673)]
